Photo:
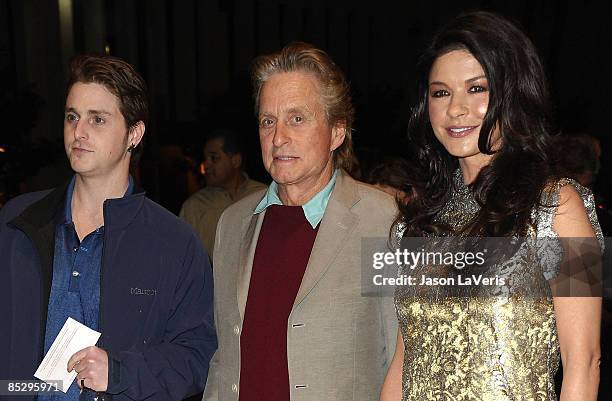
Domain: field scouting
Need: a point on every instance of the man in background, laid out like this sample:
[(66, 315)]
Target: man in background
[(391, 176), (226, 183)]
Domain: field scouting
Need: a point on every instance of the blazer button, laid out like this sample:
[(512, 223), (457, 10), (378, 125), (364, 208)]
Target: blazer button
[(236, 329), (235, 388)]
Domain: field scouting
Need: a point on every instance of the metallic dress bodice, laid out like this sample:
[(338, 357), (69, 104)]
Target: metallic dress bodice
[(501, 346)]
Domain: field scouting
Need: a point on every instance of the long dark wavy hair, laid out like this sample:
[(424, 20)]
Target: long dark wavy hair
[(510, 186)]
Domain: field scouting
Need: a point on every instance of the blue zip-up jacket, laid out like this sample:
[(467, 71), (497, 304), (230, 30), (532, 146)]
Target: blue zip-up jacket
[(156, 296)]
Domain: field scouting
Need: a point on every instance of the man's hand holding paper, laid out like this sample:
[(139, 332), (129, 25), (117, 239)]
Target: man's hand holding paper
[(91, 365)]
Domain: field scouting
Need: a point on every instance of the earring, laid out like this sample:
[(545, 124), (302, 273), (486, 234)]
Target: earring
[(131, 148)]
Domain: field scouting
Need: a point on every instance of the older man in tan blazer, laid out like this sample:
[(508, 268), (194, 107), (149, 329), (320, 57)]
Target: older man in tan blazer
[(291, 320)]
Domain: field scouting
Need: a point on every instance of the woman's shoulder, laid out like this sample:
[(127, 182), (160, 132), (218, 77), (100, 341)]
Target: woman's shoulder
[(565, 197), (554, 188), (559, 194)]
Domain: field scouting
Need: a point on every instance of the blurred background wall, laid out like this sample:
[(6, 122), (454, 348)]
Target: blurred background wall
[(196, 55)]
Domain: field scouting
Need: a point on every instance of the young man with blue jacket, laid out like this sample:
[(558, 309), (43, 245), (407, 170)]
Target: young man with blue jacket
[(98, 251)]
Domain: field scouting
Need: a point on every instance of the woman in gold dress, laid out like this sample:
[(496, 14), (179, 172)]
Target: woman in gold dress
[(480, 133)]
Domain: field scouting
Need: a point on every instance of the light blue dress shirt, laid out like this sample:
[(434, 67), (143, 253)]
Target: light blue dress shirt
[(313, 209)]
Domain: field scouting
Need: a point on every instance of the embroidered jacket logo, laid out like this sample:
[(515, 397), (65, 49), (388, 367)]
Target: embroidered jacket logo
[(143, 291)]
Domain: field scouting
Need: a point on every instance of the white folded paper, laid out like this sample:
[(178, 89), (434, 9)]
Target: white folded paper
[(73, 337)]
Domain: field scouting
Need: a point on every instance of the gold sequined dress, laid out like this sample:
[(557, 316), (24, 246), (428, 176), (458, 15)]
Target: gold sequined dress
[(497, 348)]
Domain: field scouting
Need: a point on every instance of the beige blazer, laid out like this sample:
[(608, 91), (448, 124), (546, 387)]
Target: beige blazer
[(339, 342)]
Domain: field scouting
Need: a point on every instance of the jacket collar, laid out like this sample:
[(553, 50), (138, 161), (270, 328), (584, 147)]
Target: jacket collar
[(314, 209), (45, 210), (48, 209), (345, 192), (336, 227), (119, 213)]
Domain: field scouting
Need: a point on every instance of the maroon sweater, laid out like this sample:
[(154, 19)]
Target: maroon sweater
[(281, 256)]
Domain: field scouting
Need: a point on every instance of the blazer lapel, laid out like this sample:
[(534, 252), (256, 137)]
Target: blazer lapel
[(338, 222), (251, 225)]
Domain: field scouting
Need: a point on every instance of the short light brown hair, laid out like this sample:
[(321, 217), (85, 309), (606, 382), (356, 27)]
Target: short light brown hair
[(334, 88), (119, 78)]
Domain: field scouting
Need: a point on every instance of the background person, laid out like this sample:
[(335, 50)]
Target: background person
[(226, 183), (391, 176), (577, 157)]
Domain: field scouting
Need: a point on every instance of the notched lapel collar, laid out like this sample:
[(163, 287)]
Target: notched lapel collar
[(251, 225), (337, 224)]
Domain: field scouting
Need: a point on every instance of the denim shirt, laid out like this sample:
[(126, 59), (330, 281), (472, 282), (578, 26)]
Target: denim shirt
[(75, 288)]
